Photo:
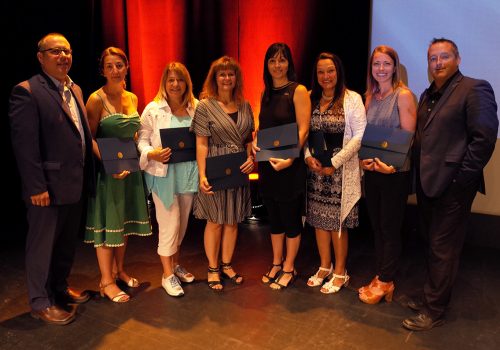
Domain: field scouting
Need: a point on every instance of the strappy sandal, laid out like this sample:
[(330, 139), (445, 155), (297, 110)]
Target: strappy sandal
[(315, 280), (277, 285), (236, 279), (121, 297), (267, 278), (329, 287), (132, 282), (213, 284)]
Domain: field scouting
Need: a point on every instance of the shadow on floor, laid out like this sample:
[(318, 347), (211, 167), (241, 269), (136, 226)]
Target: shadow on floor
[(252, 316)]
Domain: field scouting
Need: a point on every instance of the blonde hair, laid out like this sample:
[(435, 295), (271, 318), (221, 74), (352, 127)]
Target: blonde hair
[(181, 70)]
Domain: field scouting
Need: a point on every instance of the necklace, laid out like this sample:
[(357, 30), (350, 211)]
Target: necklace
[(326, 98), (382, 95)]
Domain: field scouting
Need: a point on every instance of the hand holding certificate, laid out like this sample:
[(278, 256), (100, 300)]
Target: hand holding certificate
[(118, 155), (181, 141), (224, 171), (318, 148), (278, 142), (390, 145)]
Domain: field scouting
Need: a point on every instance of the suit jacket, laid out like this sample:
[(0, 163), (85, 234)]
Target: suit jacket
[(459, 135), (47, 144)]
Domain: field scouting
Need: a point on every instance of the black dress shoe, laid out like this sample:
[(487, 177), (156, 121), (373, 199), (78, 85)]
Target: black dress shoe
[(415, 305), (53, 315), (422, 322), (73, 296)]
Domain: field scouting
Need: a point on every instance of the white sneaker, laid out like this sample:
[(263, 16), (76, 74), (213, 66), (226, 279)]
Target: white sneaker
[(183, 275), (172, 286)]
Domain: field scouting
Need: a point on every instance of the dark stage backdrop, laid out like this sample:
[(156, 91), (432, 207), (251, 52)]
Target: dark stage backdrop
[(198, 32), (195, 32)]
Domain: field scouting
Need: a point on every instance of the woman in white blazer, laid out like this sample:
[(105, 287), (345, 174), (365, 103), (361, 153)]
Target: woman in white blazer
[(172, 185)]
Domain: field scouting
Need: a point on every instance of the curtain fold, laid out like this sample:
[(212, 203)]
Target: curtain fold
[(196, 32)]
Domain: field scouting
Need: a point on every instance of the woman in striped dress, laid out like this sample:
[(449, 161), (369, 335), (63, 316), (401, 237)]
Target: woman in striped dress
[(223, 124)]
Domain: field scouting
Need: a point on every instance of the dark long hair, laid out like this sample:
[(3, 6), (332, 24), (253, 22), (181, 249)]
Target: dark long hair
[(273, 50), (340, 87)]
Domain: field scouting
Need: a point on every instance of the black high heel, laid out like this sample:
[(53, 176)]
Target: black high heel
[(280, 286), (213, 284), (268, 274), (236, 279)]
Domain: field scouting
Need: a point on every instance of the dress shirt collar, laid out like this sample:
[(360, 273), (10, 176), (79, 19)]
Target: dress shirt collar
[(68, 82)]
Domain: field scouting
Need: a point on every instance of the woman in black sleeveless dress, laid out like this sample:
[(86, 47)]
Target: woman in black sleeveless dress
[(282, 181)]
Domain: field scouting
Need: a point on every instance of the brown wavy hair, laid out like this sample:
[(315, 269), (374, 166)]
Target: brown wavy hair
[(210, 89)]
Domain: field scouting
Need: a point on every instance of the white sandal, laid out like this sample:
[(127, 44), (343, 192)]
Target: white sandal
[(315, 280), (329, 287), (120, 297), (132, 282)]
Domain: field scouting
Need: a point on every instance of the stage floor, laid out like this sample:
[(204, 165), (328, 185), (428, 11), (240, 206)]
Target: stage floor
[(252, 316)]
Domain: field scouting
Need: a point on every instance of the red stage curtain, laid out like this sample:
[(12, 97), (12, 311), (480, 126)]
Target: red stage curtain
[(158, 31), (263, 23), (113, 23)]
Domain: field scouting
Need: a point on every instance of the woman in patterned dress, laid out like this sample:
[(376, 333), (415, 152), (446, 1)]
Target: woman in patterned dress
[(333, 192), (389, 103), (119, 208), (172, 184), (223, 124)]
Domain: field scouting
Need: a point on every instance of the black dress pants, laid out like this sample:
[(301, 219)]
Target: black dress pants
[(50, 249), (386, 196), (443, 221)]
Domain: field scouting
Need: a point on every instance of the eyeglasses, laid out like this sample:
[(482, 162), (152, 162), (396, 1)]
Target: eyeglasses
[(57, 51)]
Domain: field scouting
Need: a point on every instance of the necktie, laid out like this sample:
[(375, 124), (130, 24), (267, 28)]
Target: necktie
[(67, 98)]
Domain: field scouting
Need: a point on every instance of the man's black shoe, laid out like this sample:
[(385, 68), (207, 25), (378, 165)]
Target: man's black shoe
[(422, 322), (73, 296)]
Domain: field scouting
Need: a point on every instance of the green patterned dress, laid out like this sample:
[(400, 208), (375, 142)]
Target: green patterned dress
[(119, 208)]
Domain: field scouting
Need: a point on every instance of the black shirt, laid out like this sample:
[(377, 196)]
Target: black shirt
[(430, 99)]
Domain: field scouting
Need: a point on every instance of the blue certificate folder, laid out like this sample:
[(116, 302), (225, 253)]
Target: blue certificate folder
[(118, 154), (278, 142), (319, 149), (390, 145), (181, 141), (224, 171)]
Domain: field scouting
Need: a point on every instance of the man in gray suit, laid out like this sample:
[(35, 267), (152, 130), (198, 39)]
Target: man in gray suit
[(53, 148), (457, 128)]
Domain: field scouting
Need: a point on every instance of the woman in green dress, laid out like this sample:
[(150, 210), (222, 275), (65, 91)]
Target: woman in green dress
[(119, 208)]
